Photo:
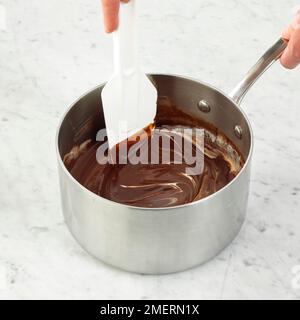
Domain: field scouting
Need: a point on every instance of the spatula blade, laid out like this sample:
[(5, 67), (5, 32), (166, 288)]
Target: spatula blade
[(129, 105)]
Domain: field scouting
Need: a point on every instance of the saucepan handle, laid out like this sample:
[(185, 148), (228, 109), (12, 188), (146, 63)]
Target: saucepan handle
[(258, 69)]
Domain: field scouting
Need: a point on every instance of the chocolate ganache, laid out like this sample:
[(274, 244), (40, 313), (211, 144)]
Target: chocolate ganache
[(143, 183)]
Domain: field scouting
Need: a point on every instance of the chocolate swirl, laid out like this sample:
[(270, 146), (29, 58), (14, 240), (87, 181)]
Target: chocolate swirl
[(162, 184)]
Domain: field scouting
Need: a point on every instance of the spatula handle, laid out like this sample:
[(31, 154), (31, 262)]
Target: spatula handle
[(125, 40)]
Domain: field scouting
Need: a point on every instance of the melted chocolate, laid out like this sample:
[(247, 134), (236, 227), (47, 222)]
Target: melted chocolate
[(159, 185)]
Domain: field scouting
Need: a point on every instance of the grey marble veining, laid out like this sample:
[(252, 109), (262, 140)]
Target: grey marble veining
[(53, 51)]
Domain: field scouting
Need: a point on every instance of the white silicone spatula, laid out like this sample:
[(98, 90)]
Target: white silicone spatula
[(129, 98)]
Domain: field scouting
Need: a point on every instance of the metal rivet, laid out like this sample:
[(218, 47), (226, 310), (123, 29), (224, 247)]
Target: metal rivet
[(204, 106), (238, 132)]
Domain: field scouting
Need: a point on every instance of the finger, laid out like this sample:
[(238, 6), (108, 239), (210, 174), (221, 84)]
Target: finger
[(110, 14), (287, 32), (296, 22), (291, 56), (294, 25)]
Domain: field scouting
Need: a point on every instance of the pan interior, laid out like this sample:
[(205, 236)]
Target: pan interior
[(85, 117)]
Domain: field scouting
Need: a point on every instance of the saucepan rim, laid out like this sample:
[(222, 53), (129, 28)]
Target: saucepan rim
[(99, 198)]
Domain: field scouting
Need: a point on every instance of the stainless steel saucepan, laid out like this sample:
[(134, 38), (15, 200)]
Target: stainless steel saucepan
[(161, 240)]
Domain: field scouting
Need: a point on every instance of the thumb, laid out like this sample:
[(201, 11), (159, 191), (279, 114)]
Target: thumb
[(291, 56)]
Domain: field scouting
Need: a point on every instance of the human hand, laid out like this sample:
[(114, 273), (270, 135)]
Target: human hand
[(111, 14), (291, 56)]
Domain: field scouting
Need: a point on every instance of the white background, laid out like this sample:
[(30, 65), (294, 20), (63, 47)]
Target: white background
[(51, 52)]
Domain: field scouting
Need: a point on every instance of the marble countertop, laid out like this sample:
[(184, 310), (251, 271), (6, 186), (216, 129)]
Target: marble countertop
[(53, 51)]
